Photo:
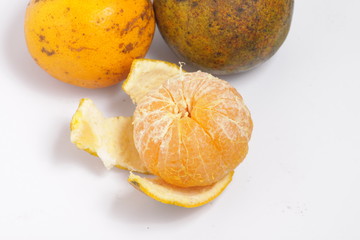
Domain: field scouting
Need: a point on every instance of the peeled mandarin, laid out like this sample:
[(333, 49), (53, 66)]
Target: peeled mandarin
[(193, 130)]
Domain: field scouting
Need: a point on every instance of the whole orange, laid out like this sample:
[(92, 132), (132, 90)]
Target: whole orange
[(88, 43)]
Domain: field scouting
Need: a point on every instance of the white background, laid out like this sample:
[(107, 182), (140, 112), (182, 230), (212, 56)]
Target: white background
[(300, 180)]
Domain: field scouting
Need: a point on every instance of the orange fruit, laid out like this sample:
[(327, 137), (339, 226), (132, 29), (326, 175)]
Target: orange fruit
[(88, 43), (189, 129), (193, 130)]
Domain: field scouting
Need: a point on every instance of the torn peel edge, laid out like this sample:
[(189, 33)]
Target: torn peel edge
[(107, 138), (146, 75)]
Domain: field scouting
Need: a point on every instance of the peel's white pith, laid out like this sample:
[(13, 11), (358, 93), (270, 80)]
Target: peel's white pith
[(109, 138), (146, 75)]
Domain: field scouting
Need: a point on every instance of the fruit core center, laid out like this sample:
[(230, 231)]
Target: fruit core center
[(183, 109), (185, 113)]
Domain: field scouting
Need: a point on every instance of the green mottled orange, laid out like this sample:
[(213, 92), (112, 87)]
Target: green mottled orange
[(224, 37)]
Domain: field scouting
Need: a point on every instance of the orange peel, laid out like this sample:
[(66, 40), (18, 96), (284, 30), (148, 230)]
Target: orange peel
[(191, 197), (108, 138), (146, 75)]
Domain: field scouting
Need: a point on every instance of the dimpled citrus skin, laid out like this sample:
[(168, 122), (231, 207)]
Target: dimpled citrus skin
[(224, 37), (193, 130), (88, 43)]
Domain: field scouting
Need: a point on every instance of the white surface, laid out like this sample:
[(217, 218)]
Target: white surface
[(301, 179)]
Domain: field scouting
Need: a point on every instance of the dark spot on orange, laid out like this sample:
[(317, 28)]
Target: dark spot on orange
[(134, 183), (48, 52), (145, 14), (121, 45), (141, 31), (239, 10), (128, 48), (80, 49), (41, 38), (66, 73)]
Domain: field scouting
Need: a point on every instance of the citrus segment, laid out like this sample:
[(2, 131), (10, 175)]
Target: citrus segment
[(146, 75), (109, 138), (190, 197)]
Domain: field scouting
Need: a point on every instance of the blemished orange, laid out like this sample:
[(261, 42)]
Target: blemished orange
[(88, 43), (193, 130)]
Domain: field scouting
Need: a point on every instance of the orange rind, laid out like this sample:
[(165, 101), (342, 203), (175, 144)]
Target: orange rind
[(191, 197), (108, 138), (146, 75), (116, 140)]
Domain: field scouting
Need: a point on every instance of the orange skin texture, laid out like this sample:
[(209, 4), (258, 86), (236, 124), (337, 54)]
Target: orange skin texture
[(193, 130), (224, 37), (88, 43)]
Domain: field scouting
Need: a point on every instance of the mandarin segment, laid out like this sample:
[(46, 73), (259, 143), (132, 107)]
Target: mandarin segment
[(186, 154), (192, 130)]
